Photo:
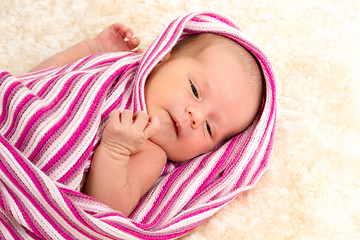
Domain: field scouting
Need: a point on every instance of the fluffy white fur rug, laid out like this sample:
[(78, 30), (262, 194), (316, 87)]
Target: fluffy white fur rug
[(312, 188)]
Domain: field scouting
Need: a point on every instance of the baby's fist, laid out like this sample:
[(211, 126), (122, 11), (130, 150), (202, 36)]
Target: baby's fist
[(126, 133)]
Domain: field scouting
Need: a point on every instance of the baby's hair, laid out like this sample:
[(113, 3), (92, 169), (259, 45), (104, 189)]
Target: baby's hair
[(195, 44)]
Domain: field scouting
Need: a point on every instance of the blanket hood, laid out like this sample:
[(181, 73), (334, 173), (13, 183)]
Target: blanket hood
[(51, 121)]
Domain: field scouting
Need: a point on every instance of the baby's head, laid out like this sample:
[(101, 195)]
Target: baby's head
[(207, 89)]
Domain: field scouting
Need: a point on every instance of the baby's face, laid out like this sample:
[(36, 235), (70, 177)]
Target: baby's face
[(200, 101)]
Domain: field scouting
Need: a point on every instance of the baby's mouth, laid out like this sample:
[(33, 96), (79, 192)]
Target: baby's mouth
[(176, 125)]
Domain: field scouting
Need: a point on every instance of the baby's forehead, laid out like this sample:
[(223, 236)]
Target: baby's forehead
[(245, 59), (204, 41)]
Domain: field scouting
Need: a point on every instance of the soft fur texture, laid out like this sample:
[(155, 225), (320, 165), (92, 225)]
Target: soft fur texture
[(312, 188)]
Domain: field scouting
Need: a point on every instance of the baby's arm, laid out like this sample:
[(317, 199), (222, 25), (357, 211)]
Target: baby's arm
[(125, 164), (111, 39)]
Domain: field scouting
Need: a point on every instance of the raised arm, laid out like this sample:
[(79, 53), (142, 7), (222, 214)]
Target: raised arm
[(116, 37), (125, 164)]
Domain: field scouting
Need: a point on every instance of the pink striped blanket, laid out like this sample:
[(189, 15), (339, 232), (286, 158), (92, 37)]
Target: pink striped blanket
[(51, 122)]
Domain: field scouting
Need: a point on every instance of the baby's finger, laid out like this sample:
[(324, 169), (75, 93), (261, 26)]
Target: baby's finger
[(126, 117), (133, 43), (121, 28), (114, 116), (129, 33), (141, 119), (152, 127), (125, 31)]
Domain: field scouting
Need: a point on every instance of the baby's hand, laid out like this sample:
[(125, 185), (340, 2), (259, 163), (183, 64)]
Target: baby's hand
[(117, 37), (126, 133)]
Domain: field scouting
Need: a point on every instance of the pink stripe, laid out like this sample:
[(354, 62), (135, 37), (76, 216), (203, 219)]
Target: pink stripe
[(40, 112), (64, 122), (4, 75), (6, 101), (144, 234), (171, 181), (44, 194), (34, 78), (104, 62), (77, 134), (208, 185), (75, 213), (20, 205), (17, 111), (77, 165), (36, 75), (14, 234), (265, 158), (46, 87), (211, 187), (222, 19), (21, 188), (119, 100), (192, 214), (82, 126), (76, 65)]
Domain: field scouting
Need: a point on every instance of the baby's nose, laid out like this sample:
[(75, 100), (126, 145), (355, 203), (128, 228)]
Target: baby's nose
[(197, 116)]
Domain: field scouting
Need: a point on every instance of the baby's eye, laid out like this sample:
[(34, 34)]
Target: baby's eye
[(208, 128), (193, 89)]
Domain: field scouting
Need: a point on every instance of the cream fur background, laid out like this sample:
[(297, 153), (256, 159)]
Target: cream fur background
[(312, 188)]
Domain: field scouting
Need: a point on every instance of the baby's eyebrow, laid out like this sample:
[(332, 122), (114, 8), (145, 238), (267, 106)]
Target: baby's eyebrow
[(204, 80)]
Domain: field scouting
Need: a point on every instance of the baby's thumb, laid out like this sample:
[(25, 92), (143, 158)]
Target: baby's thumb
[(152, 127)]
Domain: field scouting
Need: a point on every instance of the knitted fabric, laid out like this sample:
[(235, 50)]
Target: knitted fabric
[(51, 121)]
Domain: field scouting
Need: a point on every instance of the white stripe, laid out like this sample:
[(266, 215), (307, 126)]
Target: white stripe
[(78, 119), (14, 102), (23, 177), (15, 226), (223, 188), (11, 204), (34, 108)]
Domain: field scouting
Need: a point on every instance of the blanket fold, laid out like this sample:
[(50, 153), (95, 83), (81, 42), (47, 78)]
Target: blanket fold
[(51, 121)]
